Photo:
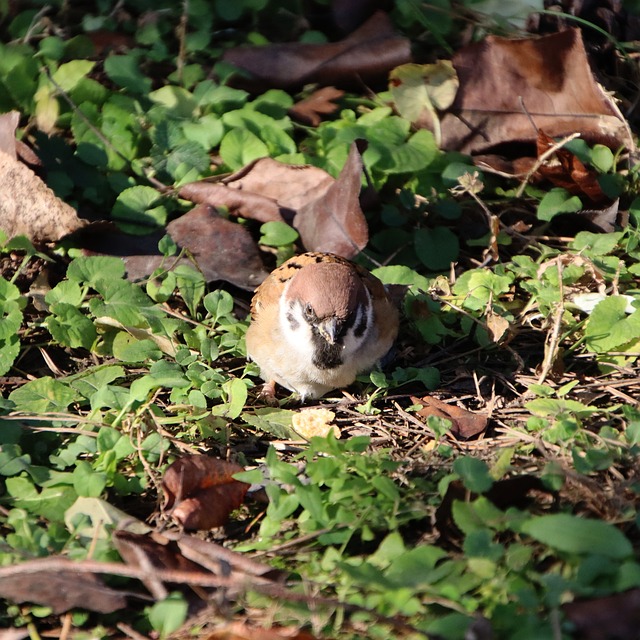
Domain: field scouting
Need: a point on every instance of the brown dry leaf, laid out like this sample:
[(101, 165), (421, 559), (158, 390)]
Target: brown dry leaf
[(247, 204), (319, 103), (290, 185), (242, 631), (465, 424), (200, 492), (61, 590), (334, 222), (497, 326), (365, 56), (615, 616), (223, 249), (28, 207), (565, 170), (511, 88), (350, 14), (325, 211)]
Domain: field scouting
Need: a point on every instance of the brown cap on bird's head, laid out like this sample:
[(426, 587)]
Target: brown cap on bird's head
[(331, 288)]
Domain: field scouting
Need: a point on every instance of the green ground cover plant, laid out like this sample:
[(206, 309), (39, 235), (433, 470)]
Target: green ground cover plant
[(398, 528)]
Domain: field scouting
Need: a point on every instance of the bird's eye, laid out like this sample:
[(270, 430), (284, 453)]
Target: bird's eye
[(308, 311)]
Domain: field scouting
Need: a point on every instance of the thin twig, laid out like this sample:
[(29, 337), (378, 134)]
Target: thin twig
[(554, 338), (542, 159)]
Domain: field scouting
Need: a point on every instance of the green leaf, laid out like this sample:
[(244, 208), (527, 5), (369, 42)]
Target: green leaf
[(139, 205), (556, 407), (401, 274), (277, 234), (609, 327), (123, 301), (188, 162), (91, 381), (236, 393), (597, 244), (178, 101), (436, 248), (219, 304), (67, 291), (602, 158), (415, 154), (42, 396), (556, 202), (207, 131), (127, 348), (88, 482), (69, 74), (239, 147), (70, 327), (12, 460), (474, 472), (124, 70), (11, 316), (95, 269), (169, 614), (572, 534), (276, 422)]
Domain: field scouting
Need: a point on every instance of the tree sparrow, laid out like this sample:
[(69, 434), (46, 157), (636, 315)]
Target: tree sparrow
[(316, 322)]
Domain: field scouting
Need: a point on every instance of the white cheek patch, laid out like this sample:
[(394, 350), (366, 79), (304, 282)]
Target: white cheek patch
[(296, 330)]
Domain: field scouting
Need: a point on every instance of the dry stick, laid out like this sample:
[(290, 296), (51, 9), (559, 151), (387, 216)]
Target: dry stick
[(260, 585), (554, 339), (182, 37)]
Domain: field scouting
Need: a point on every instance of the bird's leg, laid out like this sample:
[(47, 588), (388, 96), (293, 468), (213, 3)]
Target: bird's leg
[(268, 393)]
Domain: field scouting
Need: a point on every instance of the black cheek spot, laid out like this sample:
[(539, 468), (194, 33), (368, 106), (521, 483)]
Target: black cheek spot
[(358, 332), (292, 321)]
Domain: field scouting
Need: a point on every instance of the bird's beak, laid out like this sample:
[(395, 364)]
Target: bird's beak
[(328, 329)]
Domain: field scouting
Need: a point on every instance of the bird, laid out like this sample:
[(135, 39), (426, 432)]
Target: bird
[(317, 321)]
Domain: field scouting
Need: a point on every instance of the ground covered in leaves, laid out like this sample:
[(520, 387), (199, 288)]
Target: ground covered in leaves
[(157, 160)]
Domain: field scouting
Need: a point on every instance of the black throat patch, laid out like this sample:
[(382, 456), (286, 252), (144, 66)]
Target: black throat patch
[(325, 355)]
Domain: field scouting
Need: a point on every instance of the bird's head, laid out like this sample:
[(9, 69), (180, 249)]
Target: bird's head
[(326, 307)]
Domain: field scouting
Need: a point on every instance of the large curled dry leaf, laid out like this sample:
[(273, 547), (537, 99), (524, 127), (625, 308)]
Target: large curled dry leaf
[(61, 590), (365, 56), (511, 88), (325, 211), (464, 424), (334, 222), (27, 206), (200, 491)]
